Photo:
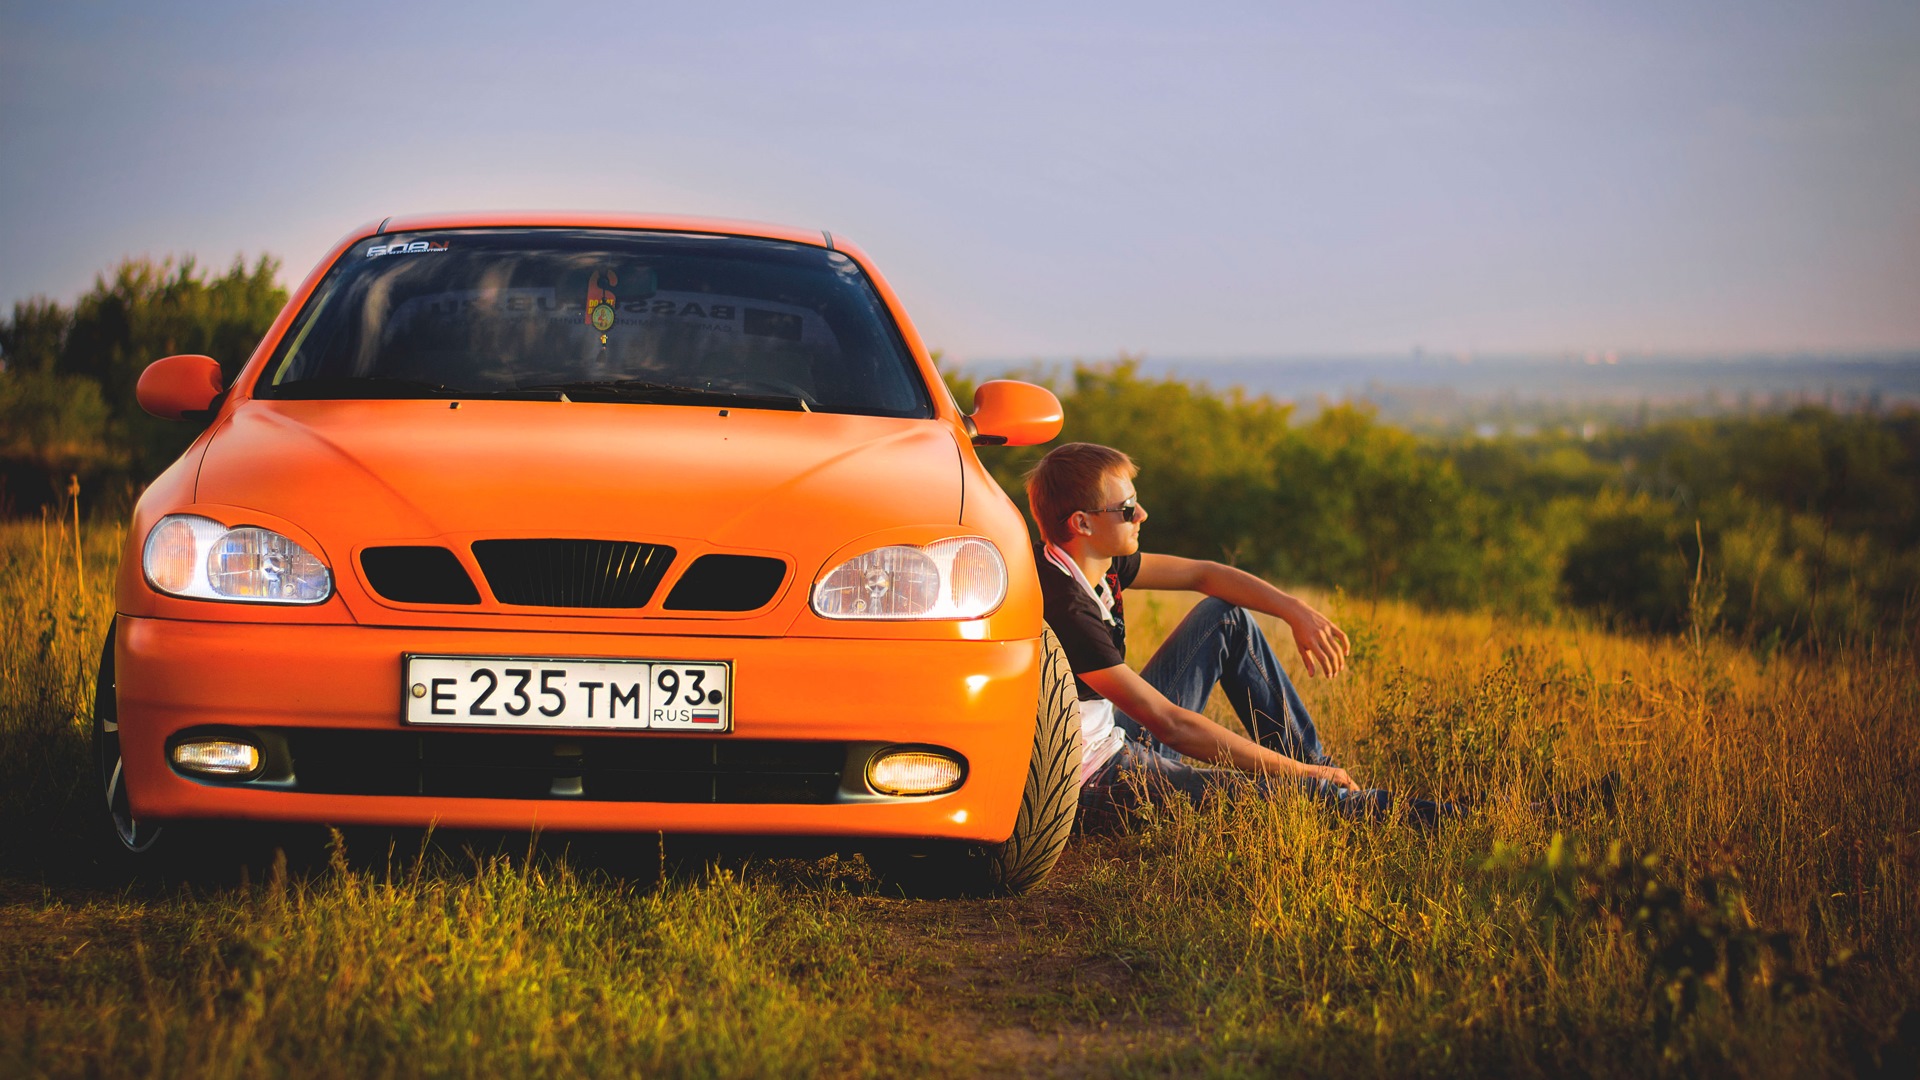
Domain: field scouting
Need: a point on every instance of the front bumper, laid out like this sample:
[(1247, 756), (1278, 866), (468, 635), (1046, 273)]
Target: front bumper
[(305, 683)]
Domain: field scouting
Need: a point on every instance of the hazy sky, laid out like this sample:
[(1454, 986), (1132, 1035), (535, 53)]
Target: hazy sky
[(1266, 179)]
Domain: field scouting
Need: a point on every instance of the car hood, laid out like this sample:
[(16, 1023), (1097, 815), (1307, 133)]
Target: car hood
[(357, 471)]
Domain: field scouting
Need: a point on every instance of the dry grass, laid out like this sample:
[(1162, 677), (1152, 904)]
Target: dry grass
[(1239, 939), (1782, 789), (56, 597)]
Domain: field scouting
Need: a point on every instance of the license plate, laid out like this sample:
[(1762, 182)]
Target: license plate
[(605, 695)]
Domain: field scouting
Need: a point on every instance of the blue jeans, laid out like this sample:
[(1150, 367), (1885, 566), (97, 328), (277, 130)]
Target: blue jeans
[(1220, 643)]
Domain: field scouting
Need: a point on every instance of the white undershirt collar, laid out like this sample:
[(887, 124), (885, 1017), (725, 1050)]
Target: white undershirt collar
[(1064, 562)]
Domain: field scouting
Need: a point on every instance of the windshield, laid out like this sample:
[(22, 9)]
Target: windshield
[(598, 315)]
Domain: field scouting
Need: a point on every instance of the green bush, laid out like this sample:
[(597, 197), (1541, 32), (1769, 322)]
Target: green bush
[(1798, 527), (67, 383)]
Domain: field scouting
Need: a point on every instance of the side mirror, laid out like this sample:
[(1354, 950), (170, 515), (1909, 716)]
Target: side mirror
[(1009, 413), (179, 387)]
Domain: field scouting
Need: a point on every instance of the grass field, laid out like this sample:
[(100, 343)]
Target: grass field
[(1750, 908)]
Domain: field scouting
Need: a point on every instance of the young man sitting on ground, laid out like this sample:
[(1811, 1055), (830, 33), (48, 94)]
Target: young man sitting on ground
[(1082, 496)]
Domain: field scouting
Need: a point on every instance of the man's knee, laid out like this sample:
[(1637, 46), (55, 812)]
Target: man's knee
[(1214, 609)]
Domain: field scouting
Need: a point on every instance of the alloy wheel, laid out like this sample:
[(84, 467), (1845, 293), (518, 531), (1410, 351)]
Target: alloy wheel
[(133, 835)]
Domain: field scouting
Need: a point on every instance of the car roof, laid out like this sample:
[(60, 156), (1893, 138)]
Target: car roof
[(591, 219)]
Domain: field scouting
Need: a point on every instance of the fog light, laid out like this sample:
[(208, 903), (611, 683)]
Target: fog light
[(914, 772), (218, 757)]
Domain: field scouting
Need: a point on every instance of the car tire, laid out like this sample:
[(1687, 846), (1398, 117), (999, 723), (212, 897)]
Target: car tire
[(1045, 820), (127, 843)]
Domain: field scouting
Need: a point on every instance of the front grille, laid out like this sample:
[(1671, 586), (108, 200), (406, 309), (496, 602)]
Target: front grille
[(418, 575), (542, 766), (727, 583), (572, 573)]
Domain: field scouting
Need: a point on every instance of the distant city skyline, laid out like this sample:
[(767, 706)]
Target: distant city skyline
[(1222, 181)]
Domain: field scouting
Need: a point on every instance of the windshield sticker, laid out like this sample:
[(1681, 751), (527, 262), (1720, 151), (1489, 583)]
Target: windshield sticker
[(601, 300), (417, 247), (662, 312)]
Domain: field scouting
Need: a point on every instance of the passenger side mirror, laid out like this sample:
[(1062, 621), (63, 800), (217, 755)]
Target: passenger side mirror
[(179, 387), (1010, 413)]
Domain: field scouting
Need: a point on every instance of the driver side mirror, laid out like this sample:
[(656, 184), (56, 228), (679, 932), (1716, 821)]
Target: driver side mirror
[(179, 387), (1010, 413)]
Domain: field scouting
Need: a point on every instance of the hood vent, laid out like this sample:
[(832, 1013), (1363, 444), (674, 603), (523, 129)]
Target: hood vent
[(418, 575), (727, 583), (572, 573)]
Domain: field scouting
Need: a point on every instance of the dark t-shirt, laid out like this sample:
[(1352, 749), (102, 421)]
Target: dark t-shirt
[(1090, 642)]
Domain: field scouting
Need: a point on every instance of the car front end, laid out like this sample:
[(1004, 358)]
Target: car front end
[(586, 524)]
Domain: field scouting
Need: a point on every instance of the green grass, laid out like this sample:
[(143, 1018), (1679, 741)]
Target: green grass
[(1774, 935), (501, 968)]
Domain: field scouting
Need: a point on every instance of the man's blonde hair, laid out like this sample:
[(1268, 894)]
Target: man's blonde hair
[(1070, 478)]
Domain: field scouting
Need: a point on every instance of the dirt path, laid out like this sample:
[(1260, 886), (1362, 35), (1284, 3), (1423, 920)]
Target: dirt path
[(1007, 988)]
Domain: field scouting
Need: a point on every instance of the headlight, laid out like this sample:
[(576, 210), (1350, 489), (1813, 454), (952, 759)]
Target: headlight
[(963, 577), (200, 558)]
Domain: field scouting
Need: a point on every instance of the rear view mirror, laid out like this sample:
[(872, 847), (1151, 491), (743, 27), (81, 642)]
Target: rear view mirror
[(179, 387), (1009, 413)]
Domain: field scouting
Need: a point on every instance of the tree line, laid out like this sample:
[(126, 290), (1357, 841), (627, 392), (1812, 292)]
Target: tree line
[(66, 390), (1797, 527)]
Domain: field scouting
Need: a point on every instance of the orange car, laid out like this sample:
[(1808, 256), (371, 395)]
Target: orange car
[(592, 522)]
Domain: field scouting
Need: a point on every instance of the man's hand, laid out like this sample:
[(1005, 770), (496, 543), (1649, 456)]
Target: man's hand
[(1331, 774), (1322, 645)]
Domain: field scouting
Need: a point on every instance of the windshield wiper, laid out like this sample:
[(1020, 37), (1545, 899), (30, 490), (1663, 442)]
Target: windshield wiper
[(655, 393), (387, 386)]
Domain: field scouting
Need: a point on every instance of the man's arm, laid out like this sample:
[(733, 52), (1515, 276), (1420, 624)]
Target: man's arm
[(1196, 736), (1322, 644)]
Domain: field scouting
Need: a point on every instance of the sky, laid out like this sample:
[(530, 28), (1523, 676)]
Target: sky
[(1198, 180)]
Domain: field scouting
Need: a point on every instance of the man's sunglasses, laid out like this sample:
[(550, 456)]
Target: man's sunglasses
[(1128, 510)]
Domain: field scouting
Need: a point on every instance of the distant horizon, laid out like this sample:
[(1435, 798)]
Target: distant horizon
[(1437, 393), (1439, 358)]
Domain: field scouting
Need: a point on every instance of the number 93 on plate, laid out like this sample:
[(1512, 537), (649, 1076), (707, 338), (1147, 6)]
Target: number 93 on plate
[(597, 694)]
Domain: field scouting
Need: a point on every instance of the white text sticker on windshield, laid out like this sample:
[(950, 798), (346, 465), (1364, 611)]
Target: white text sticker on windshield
[(417, 247)]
